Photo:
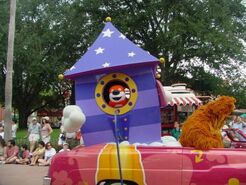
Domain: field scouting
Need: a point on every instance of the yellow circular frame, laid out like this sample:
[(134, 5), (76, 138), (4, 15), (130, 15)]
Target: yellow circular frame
[(116, 77)]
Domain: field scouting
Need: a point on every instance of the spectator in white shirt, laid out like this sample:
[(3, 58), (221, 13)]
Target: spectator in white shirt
[(49, 153)]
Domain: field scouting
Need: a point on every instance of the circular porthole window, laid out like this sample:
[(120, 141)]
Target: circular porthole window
[(116, 92)]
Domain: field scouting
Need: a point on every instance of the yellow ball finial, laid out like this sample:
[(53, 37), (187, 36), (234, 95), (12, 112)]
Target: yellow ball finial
[(60, 76), (158, 75), (162, 60), (108, 19)]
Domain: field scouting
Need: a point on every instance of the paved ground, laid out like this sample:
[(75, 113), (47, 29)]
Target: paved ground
[(22, 174)]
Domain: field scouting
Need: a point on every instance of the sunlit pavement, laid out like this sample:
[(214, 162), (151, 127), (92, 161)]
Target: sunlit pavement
[(11, 174)]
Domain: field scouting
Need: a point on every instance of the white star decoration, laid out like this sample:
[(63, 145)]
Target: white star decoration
[(107, 33), (132, 54), (106, 64), (99, 50), (122, 36), (72, 68)]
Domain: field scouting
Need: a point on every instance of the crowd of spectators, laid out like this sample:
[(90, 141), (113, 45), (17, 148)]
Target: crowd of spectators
[(10, 153), (40, 150)]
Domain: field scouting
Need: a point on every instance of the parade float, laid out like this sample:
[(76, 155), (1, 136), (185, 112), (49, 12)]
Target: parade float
[(119, 106)]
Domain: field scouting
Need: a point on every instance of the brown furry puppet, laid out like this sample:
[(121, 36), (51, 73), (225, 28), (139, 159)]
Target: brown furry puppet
[(202, 129)]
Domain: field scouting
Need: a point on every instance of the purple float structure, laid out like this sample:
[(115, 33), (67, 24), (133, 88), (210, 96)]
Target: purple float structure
[(114, 60)]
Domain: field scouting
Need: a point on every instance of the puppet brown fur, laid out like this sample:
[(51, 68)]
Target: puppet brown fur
[(202, 129)]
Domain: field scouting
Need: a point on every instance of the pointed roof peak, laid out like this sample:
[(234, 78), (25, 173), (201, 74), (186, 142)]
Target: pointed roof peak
[(111, 49)]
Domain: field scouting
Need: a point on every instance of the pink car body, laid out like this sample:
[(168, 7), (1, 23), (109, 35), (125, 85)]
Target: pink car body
[(149, 165)]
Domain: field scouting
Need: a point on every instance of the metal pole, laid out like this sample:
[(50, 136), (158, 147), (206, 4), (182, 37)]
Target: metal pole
[(117, 145)]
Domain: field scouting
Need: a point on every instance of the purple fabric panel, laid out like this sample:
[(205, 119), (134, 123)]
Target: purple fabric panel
[(145, 133), (98, 137), (146, 99)]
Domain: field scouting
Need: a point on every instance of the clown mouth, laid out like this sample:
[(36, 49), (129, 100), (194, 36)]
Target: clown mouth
[(116, 98)]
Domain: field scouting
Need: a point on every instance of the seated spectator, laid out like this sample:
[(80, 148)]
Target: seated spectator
[(65, 147), (12, 152), (3, 150), (49, 153), (24, 155), (38, 153)]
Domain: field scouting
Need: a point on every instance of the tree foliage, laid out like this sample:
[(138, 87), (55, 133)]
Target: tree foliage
[(202, 41)]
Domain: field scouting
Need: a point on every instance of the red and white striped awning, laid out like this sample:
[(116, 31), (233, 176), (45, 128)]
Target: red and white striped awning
[(185, 100), (176, 95)]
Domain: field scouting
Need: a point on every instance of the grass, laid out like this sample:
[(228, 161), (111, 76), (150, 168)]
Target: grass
[(21, 137)]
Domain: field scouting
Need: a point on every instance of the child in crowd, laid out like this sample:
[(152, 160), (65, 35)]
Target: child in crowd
[(24, 155), (49, 153), (38, 153), (65, 147)]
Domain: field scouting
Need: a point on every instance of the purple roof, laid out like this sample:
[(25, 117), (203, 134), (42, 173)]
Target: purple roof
[(111, 49)]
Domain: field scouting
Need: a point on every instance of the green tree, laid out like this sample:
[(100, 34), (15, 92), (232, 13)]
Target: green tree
[(37, 64), (49, 37), (205, 36)]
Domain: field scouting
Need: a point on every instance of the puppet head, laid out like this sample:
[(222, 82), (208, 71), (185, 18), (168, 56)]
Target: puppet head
[(221, 108), (117, 96), (73, 118)]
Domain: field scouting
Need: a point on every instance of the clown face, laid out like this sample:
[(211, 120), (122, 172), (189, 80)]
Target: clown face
[(117, 96)]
